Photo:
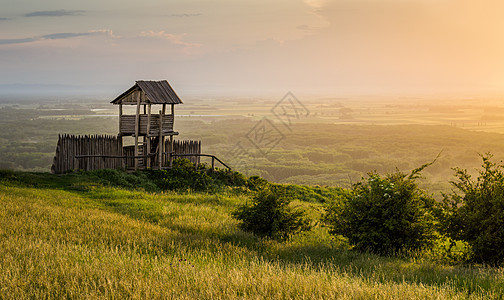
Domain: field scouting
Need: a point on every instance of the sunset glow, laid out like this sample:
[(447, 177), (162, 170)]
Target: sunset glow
[(312, 46)]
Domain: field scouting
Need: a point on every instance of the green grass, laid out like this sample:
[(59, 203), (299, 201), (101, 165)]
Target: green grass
[(70, 236)]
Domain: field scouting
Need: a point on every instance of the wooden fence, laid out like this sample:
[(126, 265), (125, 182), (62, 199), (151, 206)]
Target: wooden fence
[(69, 146), (186, 147), (95, 152)]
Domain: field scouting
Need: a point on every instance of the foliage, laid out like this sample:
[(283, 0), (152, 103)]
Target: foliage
[(225, 177), (7, 174), (314, 194), (448, 251), (184, 176), (384, 214), (476, 213), (256, 183), (270, 215)]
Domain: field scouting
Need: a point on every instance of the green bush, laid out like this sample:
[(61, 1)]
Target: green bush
[(227, 177), (384, 215), (270, 215), (256, 183), (184, 176), (476, 213), (7, 174)]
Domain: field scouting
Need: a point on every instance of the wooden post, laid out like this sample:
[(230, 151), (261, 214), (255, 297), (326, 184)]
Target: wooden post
[(120, 117), (148, 136), (162, 140), (119, 136), (160, 154), (213, 163), (171, 137), (121, 152), (198, 150), (137, 129), (171, 152)]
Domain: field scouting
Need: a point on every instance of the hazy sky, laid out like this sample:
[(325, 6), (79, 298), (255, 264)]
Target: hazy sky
[(246, 46)]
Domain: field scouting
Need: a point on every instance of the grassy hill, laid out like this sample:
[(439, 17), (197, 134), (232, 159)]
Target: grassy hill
[(78, 236)]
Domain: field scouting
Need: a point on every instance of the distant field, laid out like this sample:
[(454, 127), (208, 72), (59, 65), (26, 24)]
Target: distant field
[(65, 236), (324, 141)]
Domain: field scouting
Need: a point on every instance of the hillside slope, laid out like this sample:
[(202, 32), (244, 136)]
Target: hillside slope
[(76, 238)]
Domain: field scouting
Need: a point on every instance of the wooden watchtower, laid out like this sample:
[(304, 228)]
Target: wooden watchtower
[(148, 129)]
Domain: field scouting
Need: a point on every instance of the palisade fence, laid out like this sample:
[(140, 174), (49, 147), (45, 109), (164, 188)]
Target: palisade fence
[(93, 152), (186, 147), (70, 146)]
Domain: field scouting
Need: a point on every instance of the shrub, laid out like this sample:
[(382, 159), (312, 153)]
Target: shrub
[(384, 214), (270, 215), (476, 214), (184, 176), (228, 177), (256, 183), (7, 174)]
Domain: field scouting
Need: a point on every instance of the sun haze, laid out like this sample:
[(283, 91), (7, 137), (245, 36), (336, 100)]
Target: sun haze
[(313, 46)]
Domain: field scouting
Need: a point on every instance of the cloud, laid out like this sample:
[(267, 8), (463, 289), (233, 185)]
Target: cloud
[(316, 3), (57, 36), (107, 32), (16, 41), (64, 35), (56, 13), (185, 15), (307, 29), (173, 38)]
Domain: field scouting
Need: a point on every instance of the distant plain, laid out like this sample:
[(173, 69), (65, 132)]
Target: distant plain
[(314, 140)]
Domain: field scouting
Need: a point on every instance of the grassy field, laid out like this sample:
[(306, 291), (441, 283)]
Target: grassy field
[(68, 236)]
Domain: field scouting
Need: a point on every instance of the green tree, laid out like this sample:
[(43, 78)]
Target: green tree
[(385, 214), (270, 215), (475, 211)]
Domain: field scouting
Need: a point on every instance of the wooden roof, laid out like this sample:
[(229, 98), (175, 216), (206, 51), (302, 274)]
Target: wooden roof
[(156, 92)]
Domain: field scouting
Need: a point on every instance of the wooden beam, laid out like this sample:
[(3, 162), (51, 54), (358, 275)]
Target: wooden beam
[(120, 117), (173, 114), (109, 156)]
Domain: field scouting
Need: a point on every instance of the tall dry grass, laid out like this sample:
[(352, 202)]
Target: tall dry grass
[(104, 243)]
